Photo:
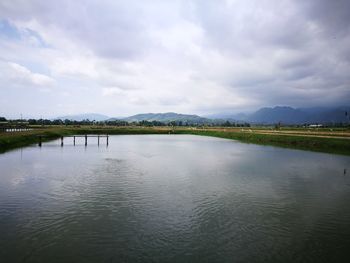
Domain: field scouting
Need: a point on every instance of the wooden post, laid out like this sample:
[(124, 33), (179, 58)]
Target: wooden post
[(98, 140), (61, 141), (40, 141), (85, 140), (74, 140), (107, 139)]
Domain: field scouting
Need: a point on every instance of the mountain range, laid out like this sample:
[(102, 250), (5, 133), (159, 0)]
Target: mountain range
[(168, 117), (289, 115), (283, 114)]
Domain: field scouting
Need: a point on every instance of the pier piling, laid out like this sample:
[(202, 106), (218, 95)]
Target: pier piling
[(40, 139)]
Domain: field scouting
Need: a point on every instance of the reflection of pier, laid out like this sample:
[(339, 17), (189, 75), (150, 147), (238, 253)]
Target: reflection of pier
[(79, 136)]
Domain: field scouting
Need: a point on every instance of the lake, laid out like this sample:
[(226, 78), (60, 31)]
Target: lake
[(173, 198)]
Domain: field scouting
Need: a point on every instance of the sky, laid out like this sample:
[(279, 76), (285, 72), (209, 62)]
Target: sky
[(188, 56)]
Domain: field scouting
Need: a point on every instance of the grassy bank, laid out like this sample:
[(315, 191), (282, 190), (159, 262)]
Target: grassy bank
[(10, 141), (14, 140), (327, 145)]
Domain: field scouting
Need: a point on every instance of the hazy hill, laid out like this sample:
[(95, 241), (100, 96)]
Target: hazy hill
[(167, 117), (289, 115), (274, 115), (332, 115), (85, 116), (283, 114)]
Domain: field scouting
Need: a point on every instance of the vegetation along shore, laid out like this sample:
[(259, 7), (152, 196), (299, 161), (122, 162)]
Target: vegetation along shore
[(320, 140)]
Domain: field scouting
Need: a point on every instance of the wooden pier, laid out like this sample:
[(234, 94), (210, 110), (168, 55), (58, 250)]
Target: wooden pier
[(79, 136)]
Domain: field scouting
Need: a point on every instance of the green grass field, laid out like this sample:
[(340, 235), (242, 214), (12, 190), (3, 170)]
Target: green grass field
[(336, 142), (327, 145)]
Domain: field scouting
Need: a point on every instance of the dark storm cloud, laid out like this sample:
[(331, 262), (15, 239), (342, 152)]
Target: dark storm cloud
[(312, 36), (332, 16)]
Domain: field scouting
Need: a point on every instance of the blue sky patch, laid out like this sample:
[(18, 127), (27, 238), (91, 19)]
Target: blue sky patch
[(8, 30)]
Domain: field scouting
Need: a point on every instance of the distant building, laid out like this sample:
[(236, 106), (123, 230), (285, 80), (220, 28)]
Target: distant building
[(315, 125)]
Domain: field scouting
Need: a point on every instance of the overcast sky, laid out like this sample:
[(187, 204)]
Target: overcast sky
[(203, 57)]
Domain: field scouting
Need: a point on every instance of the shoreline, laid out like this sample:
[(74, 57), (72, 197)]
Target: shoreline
[(333, 144)]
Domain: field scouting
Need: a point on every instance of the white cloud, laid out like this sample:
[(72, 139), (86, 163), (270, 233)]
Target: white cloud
[(111, 91), (189, 56), (17, 75)]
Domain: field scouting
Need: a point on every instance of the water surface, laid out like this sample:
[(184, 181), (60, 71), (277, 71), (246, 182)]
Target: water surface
[(173, 198)]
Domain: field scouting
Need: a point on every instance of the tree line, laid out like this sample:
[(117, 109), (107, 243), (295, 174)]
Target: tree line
[(67, 122)]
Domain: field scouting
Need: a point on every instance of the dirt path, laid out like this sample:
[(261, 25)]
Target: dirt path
[(335, 136), (318, 134)]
